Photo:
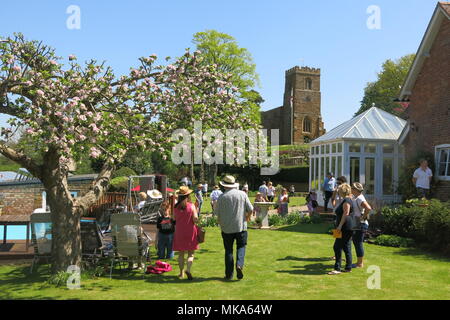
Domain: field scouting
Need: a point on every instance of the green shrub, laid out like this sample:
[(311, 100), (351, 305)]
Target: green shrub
[(294, 174), (305, 220), (435, 226), (293, 218), (402, 221), (393, 241), (209, 221), (119, 184), (427, 223), (276, 220), (123, 172), (59, 279)]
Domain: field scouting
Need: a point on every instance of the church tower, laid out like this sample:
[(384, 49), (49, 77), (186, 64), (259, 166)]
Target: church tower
[(301, 114)]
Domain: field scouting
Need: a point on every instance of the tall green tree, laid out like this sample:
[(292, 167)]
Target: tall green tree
[(223, 50), (386, 88)]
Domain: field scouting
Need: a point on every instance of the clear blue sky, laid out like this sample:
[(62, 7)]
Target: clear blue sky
[(328, 34)]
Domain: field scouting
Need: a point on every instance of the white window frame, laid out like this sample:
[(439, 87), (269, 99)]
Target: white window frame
[(436, 148)]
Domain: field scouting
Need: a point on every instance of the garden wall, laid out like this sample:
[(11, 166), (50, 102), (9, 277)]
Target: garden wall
[(23, 197)]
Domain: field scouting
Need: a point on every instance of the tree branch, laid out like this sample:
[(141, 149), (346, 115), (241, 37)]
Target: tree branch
[(22, 159)]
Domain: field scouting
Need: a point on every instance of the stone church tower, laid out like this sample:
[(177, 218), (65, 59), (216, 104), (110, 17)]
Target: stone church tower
[(299, 118)]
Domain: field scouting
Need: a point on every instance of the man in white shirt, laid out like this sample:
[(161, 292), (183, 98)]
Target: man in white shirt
[(422, 179), (264, 190)]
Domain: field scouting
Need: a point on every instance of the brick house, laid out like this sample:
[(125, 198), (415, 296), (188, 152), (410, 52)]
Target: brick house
[(23, 197), (427, 87), (299, 118)]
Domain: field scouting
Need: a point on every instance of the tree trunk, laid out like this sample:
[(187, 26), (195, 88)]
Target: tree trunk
[(66, 213), (202, 173), (66, 233)]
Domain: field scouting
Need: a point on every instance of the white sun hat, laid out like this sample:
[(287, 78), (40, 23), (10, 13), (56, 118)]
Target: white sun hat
[(154, 194)]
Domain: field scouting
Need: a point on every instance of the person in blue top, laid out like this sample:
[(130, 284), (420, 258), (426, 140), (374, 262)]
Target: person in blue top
[(329, 186)]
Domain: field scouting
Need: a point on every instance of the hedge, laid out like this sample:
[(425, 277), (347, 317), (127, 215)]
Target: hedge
[(294, 174), (428, 225)]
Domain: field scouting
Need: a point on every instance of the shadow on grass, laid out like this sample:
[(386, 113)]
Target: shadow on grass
[(292, 258), (422, 254), (20, 280), (320, 228), (314, 269)]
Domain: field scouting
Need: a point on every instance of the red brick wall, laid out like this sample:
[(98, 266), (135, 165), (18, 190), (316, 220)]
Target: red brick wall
[(24, 199), (429, 110)]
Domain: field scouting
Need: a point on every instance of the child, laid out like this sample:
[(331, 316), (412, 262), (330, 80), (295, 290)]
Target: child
[(311, 200), (259, 198), (166, 229)]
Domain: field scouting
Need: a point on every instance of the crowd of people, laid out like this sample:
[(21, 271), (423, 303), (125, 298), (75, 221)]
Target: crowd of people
[(178, 221)]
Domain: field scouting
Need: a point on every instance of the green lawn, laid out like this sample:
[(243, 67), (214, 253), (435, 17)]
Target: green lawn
[(289, 263)]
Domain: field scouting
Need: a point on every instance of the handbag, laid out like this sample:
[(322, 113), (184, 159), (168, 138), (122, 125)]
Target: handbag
[(201, 232)]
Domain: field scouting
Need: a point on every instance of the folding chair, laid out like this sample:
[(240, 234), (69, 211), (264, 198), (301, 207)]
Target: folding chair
[(41, 237), (150, 211), (130, 242)]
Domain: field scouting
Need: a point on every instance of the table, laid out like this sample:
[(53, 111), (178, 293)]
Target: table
[(16, 220)]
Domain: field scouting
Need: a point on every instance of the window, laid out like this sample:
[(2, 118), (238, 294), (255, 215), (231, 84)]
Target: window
[(370, 175), (327, 149), (388, 175), (354, 169), (355, 147), (333, 165), (327, 165), (443, 162), (306, 125), (322, 171), (313, 184), (322, 149), (333, 148), (308, 84), (339, 147), (316, 174), (388, 148), (317, 150), (312, 150), (339, 167), (370, 148)]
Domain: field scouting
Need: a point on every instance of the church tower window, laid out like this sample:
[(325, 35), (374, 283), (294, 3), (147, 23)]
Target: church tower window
[(308, 84), (306, 125)]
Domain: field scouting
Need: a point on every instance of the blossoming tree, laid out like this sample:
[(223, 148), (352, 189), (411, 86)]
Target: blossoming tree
[(68, 109)]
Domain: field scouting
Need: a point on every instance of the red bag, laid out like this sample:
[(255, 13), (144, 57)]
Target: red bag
[(159, 268)]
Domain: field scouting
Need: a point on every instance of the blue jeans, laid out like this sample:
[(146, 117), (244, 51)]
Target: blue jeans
[(345, 244), (241, 242), (165, 242), (358, 240)]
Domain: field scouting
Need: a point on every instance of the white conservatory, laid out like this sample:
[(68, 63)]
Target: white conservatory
[(364, 149)]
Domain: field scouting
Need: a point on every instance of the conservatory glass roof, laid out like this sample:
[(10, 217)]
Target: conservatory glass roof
[(372, 124)]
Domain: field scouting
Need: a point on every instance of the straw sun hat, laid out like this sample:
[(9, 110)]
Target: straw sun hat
[(229, 182), (184, 191), (358, 186)]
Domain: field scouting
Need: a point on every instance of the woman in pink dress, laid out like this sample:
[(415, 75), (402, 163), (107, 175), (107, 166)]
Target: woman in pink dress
[(185, 237)]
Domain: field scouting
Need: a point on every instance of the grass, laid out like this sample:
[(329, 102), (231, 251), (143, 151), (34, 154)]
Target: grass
[(284, 264)]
